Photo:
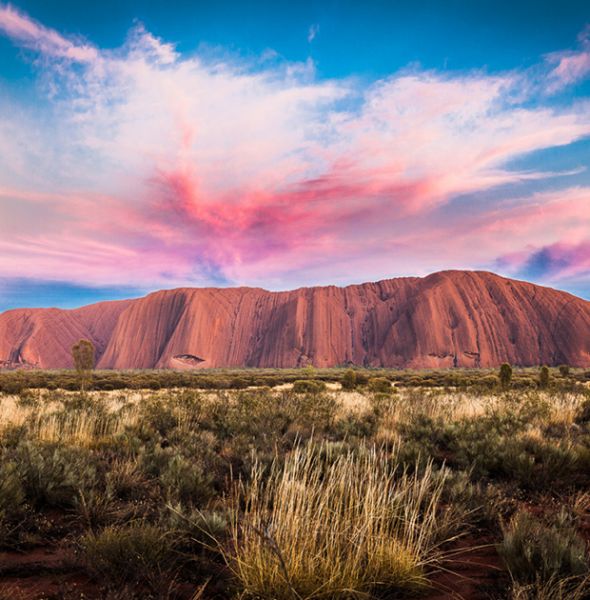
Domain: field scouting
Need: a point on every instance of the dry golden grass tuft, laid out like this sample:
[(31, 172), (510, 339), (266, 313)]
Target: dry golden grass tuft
[(322, 525)]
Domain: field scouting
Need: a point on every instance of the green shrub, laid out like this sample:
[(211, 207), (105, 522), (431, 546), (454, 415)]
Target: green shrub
[(488, 381), (583, 414), (12, 493), (535, 551), (564, 370), (499, 452), (54, 474), (361, 426), (159, 416), (185, 481), (544, 377), (361, 378), (308, 386), (238, 383), (125, 481), (380, 385), (12, 507), (505, 375), (194, 529), (95, 508), (134, 554), (348, 380)]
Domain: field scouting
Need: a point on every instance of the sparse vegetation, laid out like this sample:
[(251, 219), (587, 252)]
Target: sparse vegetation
[(19, 381), (306, 483), (380, 385), (348, 380), (538, 553), (505, 375), (544, 377), (83, 356), (308, 386), (140, 554)]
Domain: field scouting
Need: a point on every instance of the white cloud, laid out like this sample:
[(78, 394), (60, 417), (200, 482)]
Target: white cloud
[(570, 67), (313, 32), (152, 166), (32, 35)]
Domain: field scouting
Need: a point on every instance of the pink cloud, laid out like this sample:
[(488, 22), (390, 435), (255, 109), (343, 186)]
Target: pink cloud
[(25, 31), (554, 263), (570, 66), (151, 168)]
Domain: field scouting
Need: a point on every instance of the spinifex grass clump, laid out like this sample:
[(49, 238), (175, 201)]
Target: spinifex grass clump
[(321, 526), (137, 553), (546, 562), (536, 552)]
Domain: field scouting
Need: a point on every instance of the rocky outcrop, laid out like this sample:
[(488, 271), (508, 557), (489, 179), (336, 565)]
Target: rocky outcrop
[(452, 318)]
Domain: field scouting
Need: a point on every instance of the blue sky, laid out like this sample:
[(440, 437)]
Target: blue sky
[(371, 39), (156, 144)]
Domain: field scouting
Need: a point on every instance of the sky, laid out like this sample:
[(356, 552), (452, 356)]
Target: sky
[(150, 144)]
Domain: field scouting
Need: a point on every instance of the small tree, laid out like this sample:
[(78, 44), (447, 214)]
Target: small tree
[(309, 371), (348, 380), (544, 377), (505, 375), (83, 355), (381, 385)]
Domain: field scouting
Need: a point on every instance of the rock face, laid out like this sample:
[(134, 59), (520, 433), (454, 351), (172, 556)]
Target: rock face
[(452, 318)]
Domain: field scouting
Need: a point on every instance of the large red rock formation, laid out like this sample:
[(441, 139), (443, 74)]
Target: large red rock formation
[(452, 318)]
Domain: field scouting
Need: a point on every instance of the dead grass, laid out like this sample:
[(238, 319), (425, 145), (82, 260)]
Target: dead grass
[(570, 588), (326, 526)]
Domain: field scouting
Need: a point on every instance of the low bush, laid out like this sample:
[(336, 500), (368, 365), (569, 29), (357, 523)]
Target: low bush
[(185, 481), (193, 529), (12, 507), (140, 554), (348, 380), (544, 377), (308, 386), (54, 474), (535, 552), (12, 493), (583, 414), (380, 385), (125, 481), (505, 375)]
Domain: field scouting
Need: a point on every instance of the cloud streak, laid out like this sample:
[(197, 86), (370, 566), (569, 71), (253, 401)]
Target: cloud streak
[(144, 167), (313, 32), (570, 67), (30, 34)]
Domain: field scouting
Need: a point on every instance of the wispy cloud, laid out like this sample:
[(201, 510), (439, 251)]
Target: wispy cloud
[(25, 31), (313, 32), (145, 167), (559, 263), (570, 66)]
